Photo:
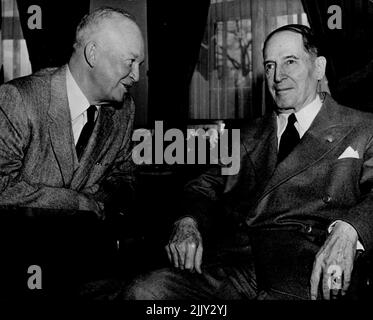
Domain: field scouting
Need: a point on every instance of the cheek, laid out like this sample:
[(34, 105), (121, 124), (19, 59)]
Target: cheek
[(301, 77), (125, 71), (269, 80)]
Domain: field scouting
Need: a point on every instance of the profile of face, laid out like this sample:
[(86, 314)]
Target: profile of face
[(291, 72), (115, 59)]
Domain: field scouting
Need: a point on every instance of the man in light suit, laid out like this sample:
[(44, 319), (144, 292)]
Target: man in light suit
[(43, 117), (301, 205)]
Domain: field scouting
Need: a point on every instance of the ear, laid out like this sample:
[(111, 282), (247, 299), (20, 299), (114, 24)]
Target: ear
[(90, 53), (320, 67)]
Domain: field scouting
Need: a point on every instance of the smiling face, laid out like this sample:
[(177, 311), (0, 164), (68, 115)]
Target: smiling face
[(118, 52), (292, 73)]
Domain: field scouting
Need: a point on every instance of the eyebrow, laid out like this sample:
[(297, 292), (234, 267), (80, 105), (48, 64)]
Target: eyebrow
[(292, 57), (284, 58)]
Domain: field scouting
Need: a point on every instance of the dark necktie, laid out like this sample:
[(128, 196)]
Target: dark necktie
[(86, 131), (289, 139)]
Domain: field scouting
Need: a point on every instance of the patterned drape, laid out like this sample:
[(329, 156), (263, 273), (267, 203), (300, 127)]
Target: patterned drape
[(14, 58)]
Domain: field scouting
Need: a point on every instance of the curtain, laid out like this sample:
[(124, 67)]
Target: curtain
[(349, 50), (175, 31), (228, 81), (14, 58)]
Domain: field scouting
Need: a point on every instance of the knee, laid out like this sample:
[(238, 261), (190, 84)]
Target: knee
[(139, 290), (148, 287)]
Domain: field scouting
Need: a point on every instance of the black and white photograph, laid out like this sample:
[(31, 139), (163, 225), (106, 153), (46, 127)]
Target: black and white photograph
[(187, 158)]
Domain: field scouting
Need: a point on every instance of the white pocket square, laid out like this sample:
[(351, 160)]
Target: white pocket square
[(349, 153)]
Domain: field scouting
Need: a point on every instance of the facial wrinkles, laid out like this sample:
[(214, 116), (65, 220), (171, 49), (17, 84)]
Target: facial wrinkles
[(118, 42), (291, 85), (129, 48)]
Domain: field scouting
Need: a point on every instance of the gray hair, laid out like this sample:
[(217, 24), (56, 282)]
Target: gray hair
[(310, 42), (93, 19)]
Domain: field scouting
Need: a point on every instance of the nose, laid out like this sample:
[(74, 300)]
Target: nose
[(135, 73), (279, 74)]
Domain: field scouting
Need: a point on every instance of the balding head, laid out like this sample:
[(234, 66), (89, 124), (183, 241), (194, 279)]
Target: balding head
[(107, 52), (93, 23)]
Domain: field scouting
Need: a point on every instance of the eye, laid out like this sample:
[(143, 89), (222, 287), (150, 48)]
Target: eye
[(290, 62), (269, 67), (130, 62)]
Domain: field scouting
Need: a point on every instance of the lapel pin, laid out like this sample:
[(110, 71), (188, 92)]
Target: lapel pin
[(329, 138)]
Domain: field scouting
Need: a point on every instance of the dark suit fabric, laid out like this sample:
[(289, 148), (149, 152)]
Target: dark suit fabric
[(310, 188), (38, 163), (285, 210)]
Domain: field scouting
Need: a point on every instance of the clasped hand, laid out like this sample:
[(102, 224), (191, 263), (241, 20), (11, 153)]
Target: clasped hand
[(185, 248), (335, 256)]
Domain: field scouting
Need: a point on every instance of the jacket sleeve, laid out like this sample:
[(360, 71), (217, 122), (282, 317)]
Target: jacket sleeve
[(15, 132), (201, 197), (117, 190), (360, 216), (204, 196)]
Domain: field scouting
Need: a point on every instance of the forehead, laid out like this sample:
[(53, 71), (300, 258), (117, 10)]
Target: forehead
[(284, 43), (122, 34)]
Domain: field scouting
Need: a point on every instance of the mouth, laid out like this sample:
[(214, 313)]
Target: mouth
[(282, 90), (127, 86)]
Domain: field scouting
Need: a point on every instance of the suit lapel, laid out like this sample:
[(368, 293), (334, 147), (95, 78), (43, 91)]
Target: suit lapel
[(327, 130), (264, 154), (59, 125), (96, 143)]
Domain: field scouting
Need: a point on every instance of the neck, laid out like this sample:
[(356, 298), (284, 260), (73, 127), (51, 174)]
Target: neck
[(80, 75)]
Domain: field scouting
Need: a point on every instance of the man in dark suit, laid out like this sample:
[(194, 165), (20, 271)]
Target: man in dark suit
[(65, 138), (302, 197)]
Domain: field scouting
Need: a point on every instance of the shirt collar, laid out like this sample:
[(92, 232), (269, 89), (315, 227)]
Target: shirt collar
[(304, 116), (78, 102)]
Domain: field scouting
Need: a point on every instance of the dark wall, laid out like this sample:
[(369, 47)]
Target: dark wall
[(349, 50), (175, 31), (51, 45)]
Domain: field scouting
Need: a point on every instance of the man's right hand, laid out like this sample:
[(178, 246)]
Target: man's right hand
[(88, 204), (185, 249)]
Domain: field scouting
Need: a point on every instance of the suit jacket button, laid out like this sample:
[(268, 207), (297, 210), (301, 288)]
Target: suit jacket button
[(327, 198), (309, 229)]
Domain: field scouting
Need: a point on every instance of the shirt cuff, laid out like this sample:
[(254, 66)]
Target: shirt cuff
[(359, 245)]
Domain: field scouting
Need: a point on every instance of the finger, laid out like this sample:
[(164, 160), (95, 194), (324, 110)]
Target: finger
[(315, 279), (180, 248), (326, 284), (189, 256), (175, 256), (333, 284), (346, 281), (347, 272), (198, 258), (168, 253)]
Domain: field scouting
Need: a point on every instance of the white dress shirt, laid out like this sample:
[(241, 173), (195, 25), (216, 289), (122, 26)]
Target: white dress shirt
[(304, 117), (78, 104)]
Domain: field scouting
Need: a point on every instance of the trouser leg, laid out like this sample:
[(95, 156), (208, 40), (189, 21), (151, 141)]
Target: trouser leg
[(216, 282)]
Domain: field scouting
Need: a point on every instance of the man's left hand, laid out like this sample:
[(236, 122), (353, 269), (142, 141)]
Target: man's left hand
[(336, 255)]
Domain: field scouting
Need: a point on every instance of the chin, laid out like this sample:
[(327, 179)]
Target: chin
[(119, 97), (285, 102), (282, 106)]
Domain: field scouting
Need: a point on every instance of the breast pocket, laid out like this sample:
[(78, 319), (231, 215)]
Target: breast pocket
[(342, 185)]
